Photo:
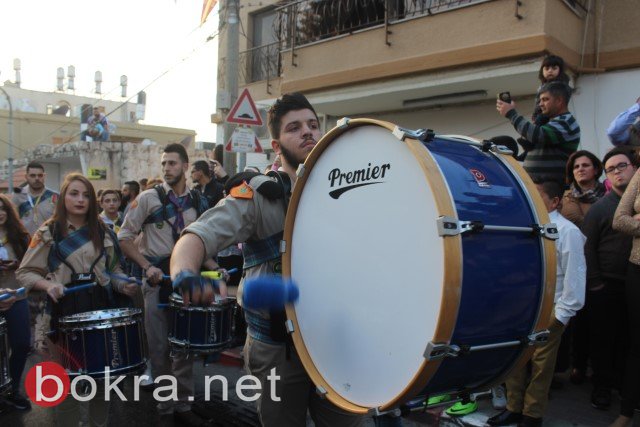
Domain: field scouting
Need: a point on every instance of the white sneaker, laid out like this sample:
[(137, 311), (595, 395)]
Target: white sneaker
[(499, 397), (147, 383)]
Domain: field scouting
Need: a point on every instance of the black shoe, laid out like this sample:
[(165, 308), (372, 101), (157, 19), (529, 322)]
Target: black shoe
[(188, 419), (17, 401), (601, 398), (528, 421), (576, 376), (4, 408), (505, 418)]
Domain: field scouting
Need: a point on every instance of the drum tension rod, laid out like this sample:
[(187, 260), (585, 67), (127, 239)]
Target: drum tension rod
[(449, 226), (438, 351)]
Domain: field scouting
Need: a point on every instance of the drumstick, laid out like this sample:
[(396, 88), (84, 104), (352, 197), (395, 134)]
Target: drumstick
[(79, 288), (215, 275), (18, 292), (124, 278)]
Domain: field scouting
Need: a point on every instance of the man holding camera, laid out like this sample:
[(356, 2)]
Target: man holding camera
[(551, 144)]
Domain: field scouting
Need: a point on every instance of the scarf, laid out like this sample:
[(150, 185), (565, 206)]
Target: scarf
[(587, 196)]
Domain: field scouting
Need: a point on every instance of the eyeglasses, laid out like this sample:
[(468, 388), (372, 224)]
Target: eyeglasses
[(620, 167)]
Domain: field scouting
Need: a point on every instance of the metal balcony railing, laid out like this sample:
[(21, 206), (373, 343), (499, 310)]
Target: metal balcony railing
[(307, 21), (260, 63)]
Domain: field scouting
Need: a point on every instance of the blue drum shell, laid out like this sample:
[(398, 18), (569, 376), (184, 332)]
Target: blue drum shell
[(89, 348), (503, 272), (203, 329)]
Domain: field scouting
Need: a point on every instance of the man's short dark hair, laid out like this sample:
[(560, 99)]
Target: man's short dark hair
[(177, 148), (105, 193), (133, 186), (550, 187), (202, 166), (34, 165), (288, 102), (631, 154), (557, 90)]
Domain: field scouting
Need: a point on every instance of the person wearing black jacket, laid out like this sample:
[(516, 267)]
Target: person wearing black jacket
[(212, 190), (607, 251)]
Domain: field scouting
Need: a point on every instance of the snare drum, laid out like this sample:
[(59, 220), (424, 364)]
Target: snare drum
[(432, 257), (89, 342), (201, 330), (5, 377)]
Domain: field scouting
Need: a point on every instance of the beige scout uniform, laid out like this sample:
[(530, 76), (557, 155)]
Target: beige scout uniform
[(34, 267), (255, 217), (157, 242), (39, 209)]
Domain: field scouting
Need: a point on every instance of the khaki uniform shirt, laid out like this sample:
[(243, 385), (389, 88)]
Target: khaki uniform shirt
[(35, 267), (236, 220), (40, 209), (157, 239)]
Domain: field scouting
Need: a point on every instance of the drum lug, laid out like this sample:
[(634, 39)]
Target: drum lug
[(449, 226), (321, 392), (501, 149), (548, 231), (289, 325), (436, 351), (422, 135), (300, 171), (283, 246), (539, 338), (343, 122)]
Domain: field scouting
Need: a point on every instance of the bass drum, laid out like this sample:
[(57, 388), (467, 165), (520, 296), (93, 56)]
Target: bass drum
[(425, 263)]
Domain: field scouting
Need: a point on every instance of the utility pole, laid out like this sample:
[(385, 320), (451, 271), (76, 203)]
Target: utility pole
[(10, 159), (231, 76)]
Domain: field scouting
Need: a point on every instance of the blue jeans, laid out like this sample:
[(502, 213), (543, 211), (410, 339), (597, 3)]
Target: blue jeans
[(19, 333)]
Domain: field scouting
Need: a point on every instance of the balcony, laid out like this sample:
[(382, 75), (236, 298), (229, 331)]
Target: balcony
[(308, 21)]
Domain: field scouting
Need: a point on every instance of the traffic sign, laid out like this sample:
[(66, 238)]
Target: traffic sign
[(244, 111), (244, 140)]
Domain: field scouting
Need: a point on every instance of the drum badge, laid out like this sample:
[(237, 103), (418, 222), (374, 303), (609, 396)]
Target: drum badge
[(480, 178)]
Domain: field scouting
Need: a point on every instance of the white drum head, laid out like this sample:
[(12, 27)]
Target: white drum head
[(362, 315)]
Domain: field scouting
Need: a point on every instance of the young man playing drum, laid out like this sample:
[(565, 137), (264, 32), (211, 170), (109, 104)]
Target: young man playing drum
[(527, 401), (161, 213), (254, 213)]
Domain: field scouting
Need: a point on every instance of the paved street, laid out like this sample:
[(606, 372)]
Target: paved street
[(569, 406)]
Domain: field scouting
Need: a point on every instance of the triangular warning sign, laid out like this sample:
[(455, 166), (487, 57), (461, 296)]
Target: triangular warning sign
[(244, 111)]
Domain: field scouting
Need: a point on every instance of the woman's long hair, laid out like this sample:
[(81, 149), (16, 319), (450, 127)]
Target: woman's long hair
[(59, 218), (17, 235)]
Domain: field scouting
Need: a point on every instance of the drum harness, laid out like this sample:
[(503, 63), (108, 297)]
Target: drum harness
[(256, 252), (170, 209), (96, 298)]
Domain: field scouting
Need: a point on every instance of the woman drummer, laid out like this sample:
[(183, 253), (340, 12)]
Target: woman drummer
[(14, 240), (73, 248)]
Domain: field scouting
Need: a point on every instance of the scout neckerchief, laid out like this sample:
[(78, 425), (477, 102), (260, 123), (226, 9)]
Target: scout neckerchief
[(179, 204), (25, 207), (62, 249)]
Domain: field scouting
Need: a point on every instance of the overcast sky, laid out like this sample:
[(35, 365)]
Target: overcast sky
[(139, 38)]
